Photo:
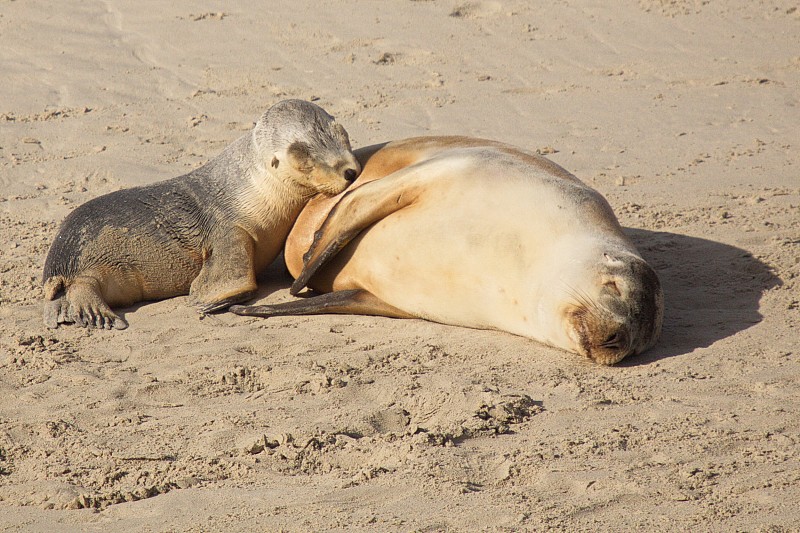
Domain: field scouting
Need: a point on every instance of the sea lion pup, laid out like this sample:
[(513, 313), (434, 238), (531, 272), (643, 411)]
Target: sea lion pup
[(206, 233), (480, 234)]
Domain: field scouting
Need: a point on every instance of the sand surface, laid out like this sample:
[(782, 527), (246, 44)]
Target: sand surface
[(684, 113)]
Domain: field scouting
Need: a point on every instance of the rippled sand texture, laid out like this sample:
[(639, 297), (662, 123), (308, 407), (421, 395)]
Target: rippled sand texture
[(683, 113)]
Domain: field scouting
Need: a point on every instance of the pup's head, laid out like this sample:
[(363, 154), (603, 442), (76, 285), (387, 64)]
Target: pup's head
[(302, 144)]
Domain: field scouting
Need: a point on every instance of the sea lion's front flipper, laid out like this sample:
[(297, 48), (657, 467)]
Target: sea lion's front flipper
[(357, 210), (352, 302), (227, 275)]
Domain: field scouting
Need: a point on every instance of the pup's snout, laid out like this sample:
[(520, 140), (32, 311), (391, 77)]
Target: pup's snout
[(350, 174)]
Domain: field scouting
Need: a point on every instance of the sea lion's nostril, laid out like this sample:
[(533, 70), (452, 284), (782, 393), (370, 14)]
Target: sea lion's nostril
[(350, 174), (614, 341)]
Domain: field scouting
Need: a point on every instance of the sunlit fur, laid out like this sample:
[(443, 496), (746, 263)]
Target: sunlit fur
[(476, 233)]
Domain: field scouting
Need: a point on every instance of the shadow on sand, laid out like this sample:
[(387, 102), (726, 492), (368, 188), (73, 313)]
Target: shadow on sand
[(711, 290)]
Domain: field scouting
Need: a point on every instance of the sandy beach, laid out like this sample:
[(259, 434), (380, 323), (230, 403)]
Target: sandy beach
[(684, 114)]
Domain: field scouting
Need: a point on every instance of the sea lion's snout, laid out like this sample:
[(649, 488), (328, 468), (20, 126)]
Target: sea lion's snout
[(603, 339), (337, 174), (349, 167), (350, 174), (612, 347), (617, 341)]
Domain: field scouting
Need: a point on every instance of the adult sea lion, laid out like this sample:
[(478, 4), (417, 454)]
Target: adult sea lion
[(206, 233), (480, 234)]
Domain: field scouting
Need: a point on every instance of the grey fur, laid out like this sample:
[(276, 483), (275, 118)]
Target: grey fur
[(204, 233)]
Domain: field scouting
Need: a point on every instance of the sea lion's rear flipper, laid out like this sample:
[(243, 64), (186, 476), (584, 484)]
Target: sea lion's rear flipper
[(81, 303), (227, 275), (357, 210), (352, 302)]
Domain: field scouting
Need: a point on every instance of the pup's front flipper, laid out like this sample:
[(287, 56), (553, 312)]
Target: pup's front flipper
[(227, 276)]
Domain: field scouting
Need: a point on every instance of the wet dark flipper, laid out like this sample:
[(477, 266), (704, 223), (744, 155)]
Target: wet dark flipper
[(352, 302), (224, 304)]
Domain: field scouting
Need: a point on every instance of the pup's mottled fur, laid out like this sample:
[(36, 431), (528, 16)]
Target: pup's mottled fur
[(206, 233)]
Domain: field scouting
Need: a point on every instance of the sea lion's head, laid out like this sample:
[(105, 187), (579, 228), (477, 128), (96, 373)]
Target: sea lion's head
[(617, 311), (304, 145)]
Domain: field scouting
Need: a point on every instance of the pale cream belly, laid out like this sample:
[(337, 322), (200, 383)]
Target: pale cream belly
[(441, 262)]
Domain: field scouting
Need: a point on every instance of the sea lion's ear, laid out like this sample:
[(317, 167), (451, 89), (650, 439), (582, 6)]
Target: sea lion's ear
[(299, 154), (341, 133)]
